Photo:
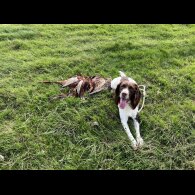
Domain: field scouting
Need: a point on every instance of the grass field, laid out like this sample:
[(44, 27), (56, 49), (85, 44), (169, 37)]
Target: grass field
[(36, 133)]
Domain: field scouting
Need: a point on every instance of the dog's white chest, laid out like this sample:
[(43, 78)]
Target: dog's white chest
[(128, 111)]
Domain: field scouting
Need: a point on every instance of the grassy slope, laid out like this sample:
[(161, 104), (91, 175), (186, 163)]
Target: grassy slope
[(38, 134)]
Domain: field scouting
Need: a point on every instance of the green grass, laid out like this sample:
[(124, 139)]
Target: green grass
[(36, 133)]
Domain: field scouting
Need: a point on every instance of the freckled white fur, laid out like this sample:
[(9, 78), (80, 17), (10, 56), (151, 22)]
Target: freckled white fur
[(126, 113)]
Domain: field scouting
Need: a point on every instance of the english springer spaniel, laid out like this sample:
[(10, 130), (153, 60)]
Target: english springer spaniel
[(127, 97)]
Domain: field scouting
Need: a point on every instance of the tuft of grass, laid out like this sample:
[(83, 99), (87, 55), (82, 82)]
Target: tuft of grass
[(36, 133)]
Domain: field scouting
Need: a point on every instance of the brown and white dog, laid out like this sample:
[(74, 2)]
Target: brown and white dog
[(127, 97)]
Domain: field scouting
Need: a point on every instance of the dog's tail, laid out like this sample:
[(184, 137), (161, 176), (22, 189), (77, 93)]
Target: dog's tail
[(122, 74)]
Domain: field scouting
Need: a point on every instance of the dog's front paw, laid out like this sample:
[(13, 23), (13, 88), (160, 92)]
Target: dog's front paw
[(134, 145), (140, 142)]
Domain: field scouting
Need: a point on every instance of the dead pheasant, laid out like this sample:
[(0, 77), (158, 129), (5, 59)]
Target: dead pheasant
[(78, 85)]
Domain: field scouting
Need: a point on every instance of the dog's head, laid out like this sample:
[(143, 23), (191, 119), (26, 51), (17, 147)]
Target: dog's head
[(127, 93)]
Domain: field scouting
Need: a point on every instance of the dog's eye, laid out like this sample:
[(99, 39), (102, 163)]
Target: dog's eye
[(131, 89), (123, 86)]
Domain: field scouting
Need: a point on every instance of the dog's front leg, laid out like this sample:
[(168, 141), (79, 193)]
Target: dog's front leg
[(137, 129), (124, 120)]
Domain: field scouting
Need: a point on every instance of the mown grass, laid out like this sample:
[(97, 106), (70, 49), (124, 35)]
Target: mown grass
[(36, 133)]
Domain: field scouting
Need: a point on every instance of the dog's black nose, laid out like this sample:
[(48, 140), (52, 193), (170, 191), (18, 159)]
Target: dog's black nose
[(124, 94)]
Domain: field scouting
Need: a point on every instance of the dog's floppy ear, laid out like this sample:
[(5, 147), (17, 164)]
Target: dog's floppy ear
[(115, 82), (117, 93), (135, 99)]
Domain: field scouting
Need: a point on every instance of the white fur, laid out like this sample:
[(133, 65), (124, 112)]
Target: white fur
[(126, 91), (126, 113), (122, 74), (1, 158)]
